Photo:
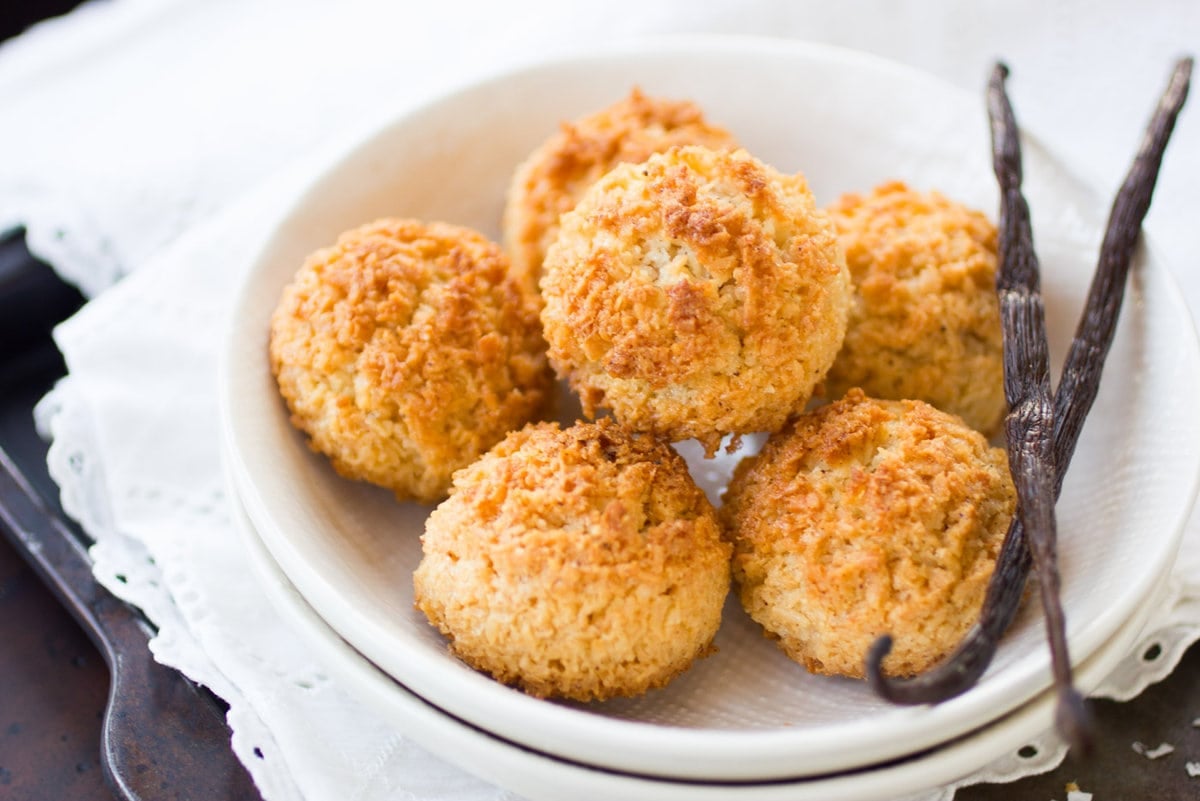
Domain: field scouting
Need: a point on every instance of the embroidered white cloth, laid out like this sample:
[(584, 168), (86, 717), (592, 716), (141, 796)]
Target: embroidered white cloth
[(159, 139)]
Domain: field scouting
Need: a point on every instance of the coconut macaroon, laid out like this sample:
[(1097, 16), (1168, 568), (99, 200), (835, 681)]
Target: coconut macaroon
[(553, 178), (406, 350), (925, 322), (581, 563), (868, 517), (697, 294)]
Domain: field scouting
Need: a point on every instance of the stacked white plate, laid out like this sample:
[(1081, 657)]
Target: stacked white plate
[(338, 556)]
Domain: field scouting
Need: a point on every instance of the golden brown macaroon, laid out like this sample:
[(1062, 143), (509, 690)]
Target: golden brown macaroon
[(553, 178), (925, 321), (581, 563), (698, 294), (867, 517), (406, 350)]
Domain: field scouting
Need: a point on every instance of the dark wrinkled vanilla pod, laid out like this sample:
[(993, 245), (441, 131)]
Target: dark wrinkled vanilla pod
[(1030, 422), (1072, 401)]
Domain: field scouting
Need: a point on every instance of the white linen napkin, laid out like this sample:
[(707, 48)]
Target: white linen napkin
[(159, 140)]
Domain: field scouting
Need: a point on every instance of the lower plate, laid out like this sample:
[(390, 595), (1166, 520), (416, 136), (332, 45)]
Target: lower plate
[(544, 777)]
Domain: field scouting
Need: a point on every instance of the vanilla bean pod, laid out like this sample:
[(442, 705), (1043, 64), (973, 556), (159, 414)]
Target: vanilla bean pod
[(1073, 399), (1030, 421)]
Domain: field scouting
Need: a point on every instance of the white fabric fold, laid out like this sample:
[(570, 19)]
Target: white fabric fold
[(159, 140)]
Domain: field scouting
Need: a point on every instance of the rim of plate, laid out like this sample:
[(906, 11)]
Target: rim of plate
[(539, 776), (626, 744)]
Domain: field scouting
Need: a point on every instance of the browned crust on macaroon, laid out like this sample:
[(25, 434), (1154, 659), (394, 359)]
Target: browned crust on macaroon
[(697, 294), (553, 178), (867, 517), (925, 320), (405, 350), (579, 563)]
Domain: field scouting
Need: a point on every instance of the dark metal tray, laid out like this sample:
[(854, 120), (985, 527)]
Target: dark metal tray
[(157, 734)]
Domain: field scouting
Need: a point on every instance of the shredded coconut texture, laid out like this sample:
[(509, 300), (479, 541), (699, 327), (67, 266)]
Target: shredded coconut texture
[(581, 563), (925, 319), (406, 350), (868, 517), (698, 294), (552, 179)]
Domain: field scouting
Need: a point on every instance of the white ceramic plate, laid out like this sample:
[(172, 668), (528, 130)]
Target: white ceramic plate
[(542, 777), (849, 122)]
